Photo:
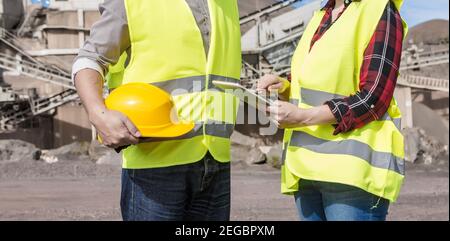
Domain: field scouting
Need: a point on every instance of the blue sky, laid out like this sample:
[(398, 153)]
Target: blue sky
[(418, 11)]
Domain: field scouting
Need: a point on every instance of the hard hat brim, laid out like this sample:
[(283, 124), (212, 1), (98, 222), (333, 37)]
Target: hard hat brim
[(174, 130)]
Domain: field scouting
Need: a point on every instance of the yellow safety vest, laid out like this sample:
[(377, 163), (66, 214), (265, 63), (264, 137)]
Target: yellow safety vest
[(167, 51), (370, 158), (114, 77)]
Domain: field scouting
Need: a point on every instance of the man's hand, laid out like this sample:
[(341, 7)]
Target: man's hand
[(286, 114), (115, 129)]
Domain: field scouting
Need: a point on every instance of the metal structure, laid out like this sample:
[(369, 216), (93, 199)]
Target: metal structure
[(29, 20), (258, 14), (36, 71), (7, 95), (424, 59), (415, 58), (27, 106), (269, 45), (421, 82), (11, 118), (11, 13)]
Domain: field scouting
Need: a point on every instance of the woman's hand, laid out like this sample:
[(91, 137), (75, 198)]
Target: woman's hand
[(286, 114), (273, 83), (270, 83)]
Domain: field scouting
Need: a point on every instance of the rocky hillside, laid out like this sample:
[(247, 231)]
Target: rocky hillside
[(433, 32)]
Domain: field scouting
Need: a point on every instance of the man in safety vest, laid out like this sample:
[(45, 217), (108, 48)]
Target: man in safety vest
[(179, 46), (343, 149)]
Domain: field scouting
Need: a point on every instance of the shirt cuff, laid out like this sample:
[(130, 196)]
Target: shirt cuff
[(343, 115), (86, 63)]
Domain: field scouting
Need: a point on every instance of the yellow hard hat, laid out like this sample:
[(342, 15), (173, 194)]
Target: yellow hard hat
[(150, 109)]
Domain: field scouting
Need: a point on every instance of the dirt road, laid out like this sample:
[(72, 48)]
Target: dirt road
[(255, 197)]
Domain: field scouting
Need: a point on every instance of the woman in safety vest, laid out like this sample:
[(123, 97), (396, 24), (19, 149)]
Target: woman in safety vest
[(343, 149)]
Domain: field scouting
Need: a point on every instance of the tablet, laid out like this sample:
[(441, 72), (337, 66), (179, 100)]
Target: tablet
[(251, 97)]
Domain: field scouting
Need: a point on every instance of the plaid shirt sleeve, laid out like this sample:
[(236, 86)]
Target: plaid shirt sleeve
[(378, 77)]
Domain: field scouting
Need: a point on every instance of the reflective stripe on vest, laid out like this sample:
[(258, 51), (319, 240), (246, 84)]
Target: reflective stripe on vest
[(316, 98), (370, 157), (349, 147), (167, 51), (193, 84), (223, 130)]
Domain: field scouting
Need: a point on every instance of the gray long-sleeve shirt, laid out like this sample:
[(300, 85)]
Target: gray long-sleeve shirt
[(110, 37)]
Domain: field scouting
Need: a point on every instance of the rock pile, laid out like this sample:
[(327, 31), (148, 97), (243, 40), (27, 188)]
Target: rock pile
[(72, 152), (17, 150), (253, 151), (422, 148), (104, 155)]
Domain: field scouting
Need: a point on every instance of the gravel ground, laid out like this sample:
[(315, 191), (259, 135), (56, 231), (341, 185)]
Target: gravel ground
[(61, 169), (85, 191)]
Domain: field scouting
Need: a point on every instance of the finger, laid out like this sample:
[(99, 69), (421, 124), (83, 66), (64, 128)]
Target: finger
[(273, 110), (131, 127), (276, 86), (129, 140), (276, 123), (133, 140), (261, 85), (267, 81), (125, 139), (260, 91), (277, 104), (104, 140)]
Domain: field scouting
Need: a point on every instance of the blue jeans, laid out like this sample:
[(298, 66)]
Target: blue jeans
[(324, 201), (192, 192)]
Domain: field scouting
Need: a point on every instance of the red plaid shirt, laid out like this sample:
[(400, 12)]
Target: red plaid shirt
[(379, 71)]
